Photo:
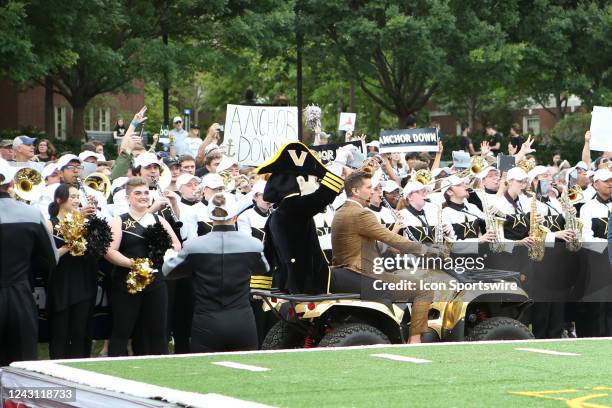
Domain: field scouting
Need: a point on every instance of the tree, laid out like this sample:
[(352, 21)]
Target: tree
[(396, 51)]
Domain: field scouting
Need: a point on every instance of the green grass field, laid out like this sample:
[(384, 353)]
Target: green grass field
[(464, 375)]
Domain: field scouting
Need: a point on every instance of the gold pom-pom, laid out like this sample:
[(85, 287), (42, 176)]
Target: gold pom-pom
[(73, 230), (140, 276)]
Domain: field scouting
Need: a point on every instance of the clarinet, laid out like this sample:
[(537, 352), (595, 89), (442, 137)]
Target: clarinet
[(89, 201), (176, 222), (407, 233)]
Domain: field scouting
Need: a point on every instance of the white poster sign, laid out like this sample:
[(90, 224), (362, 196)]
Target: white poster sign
[(601, 129), (253, 134), (347, 121)]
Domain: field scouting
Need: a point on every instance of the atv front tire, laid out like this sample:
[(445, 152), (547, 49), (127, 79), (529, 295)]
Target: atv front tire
[(354, 334), (500, 328), (283, 336)]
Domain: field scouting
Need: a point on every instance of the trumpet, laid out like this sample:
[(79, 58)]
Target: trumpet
[(176, 222), (29, 184)]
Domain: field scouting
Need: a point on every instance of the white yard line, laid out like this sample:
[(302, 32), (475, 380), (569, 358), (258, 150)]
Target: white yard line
[(325, 349), (134, 388), (240, 366), (544, 351), (401, 358)]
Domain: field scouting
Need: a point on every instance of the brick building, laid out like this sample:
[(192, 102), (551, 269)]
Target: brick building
[(21, 107), (530, 117)]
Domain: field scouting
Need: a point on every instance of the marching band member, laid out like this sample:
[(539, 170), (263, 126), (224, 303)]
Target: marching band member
[(72, 287), (383, 214), (419, 217), (26, 246), (489, 186), (139, 234), (221, 264), (211, 184), (92, 201), (548, 284), (392, 192), (596, 287), (253, 220), (190, 205), (466, 220)]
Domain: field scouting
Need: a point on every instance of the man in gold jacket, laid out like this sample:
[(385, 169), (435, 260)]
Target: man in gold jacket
[(355, 231)]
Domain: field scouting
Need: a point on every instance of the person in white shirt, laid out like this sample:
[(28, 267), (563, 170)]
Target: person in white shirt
[(252, 220), (192, 143), (190, 206), (178, 136)]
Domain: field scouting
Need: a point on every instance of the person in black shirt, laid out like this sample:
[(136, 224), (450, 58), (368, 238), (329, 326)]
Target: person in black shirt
[(516, 139), (119, 131), (466, 143), (222, 264), (72, 286), (494, 139), (148, 308), (25, 247)]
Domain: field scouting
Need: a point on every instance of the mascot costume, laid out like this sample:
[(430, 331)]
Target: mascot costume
[(299, 187)]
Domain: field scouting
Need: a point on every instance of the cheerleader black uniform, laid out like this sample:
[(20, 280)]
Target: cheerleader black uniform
[(141, 316), (71, 294), (222, 263)]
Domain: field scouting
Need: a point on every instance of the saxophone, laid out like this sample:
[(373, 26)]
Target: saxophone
[(537, 232), (571, 222), (495, 224), (440, 239)]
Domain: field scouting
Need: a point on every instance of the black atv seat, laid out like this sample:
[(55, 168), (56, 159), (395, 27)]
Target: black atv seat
[(304, 297)]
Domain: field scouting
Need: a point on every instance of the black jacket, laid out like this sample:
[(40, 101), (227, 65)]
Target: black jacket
[(292, 244), (223, 263), (26, 246)]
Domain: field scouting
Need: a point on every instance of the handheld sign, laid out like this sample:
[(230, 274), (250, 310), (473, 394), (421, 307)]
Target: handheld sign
[(461, 159), (409, 140), (253, 134), (601, 129), (347, 121), (505, 162), (327, 152)]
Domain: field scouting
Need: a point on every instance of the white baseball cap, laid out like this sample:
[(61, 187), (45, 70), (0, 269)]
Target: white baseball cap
[(7, 172), (146, 159), (65, 159), (516, 173), (453, 181), (374, 143), (229, 206), (87, 153), (226, 163), (185, 178), (413, 186), (436, 172), (581, 165), (48, 170), (536, 171), (390, 186), (258, 187), (177, 119), (23, 140), (602, 175), (485, 172), (118, 183), (212, 181)]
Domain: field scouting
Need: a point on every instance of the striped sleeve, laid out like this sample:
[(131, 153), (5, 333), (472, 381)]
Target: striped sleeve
[(333, 182)]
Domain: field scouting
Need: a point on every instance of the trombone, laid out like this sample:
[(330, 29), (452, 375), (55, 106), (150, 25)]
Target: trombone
[(477, 165)]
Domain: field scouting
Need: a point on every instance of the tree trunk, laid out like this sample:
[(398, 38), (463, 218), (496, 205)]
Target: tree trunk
[(78, 120), (299, 44), (351, 107), (49, 111)]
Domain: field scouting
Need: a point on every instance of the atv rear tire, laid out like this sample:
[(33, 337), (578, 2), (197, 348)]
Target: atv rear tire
[(283, 336), (500, 328), (354, 334)]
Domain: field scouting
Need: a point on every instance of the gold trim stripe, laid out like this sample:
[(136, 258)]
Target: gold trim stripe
[(261, 285), (331, 175), (334, 182), (330, 186)]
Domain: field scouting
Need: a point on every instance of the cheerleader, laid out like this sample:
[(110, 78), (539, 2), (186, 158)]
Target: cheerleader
[(72, 286), (139, 234)]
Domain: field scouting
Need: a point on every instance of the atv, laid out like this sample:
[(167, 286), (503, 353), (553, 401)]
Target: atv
[(344, 319)]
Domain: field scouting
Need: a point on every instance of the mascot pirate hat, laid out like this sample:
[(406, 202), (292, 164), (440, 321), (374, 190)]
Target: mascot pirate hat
[(291, 160)]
